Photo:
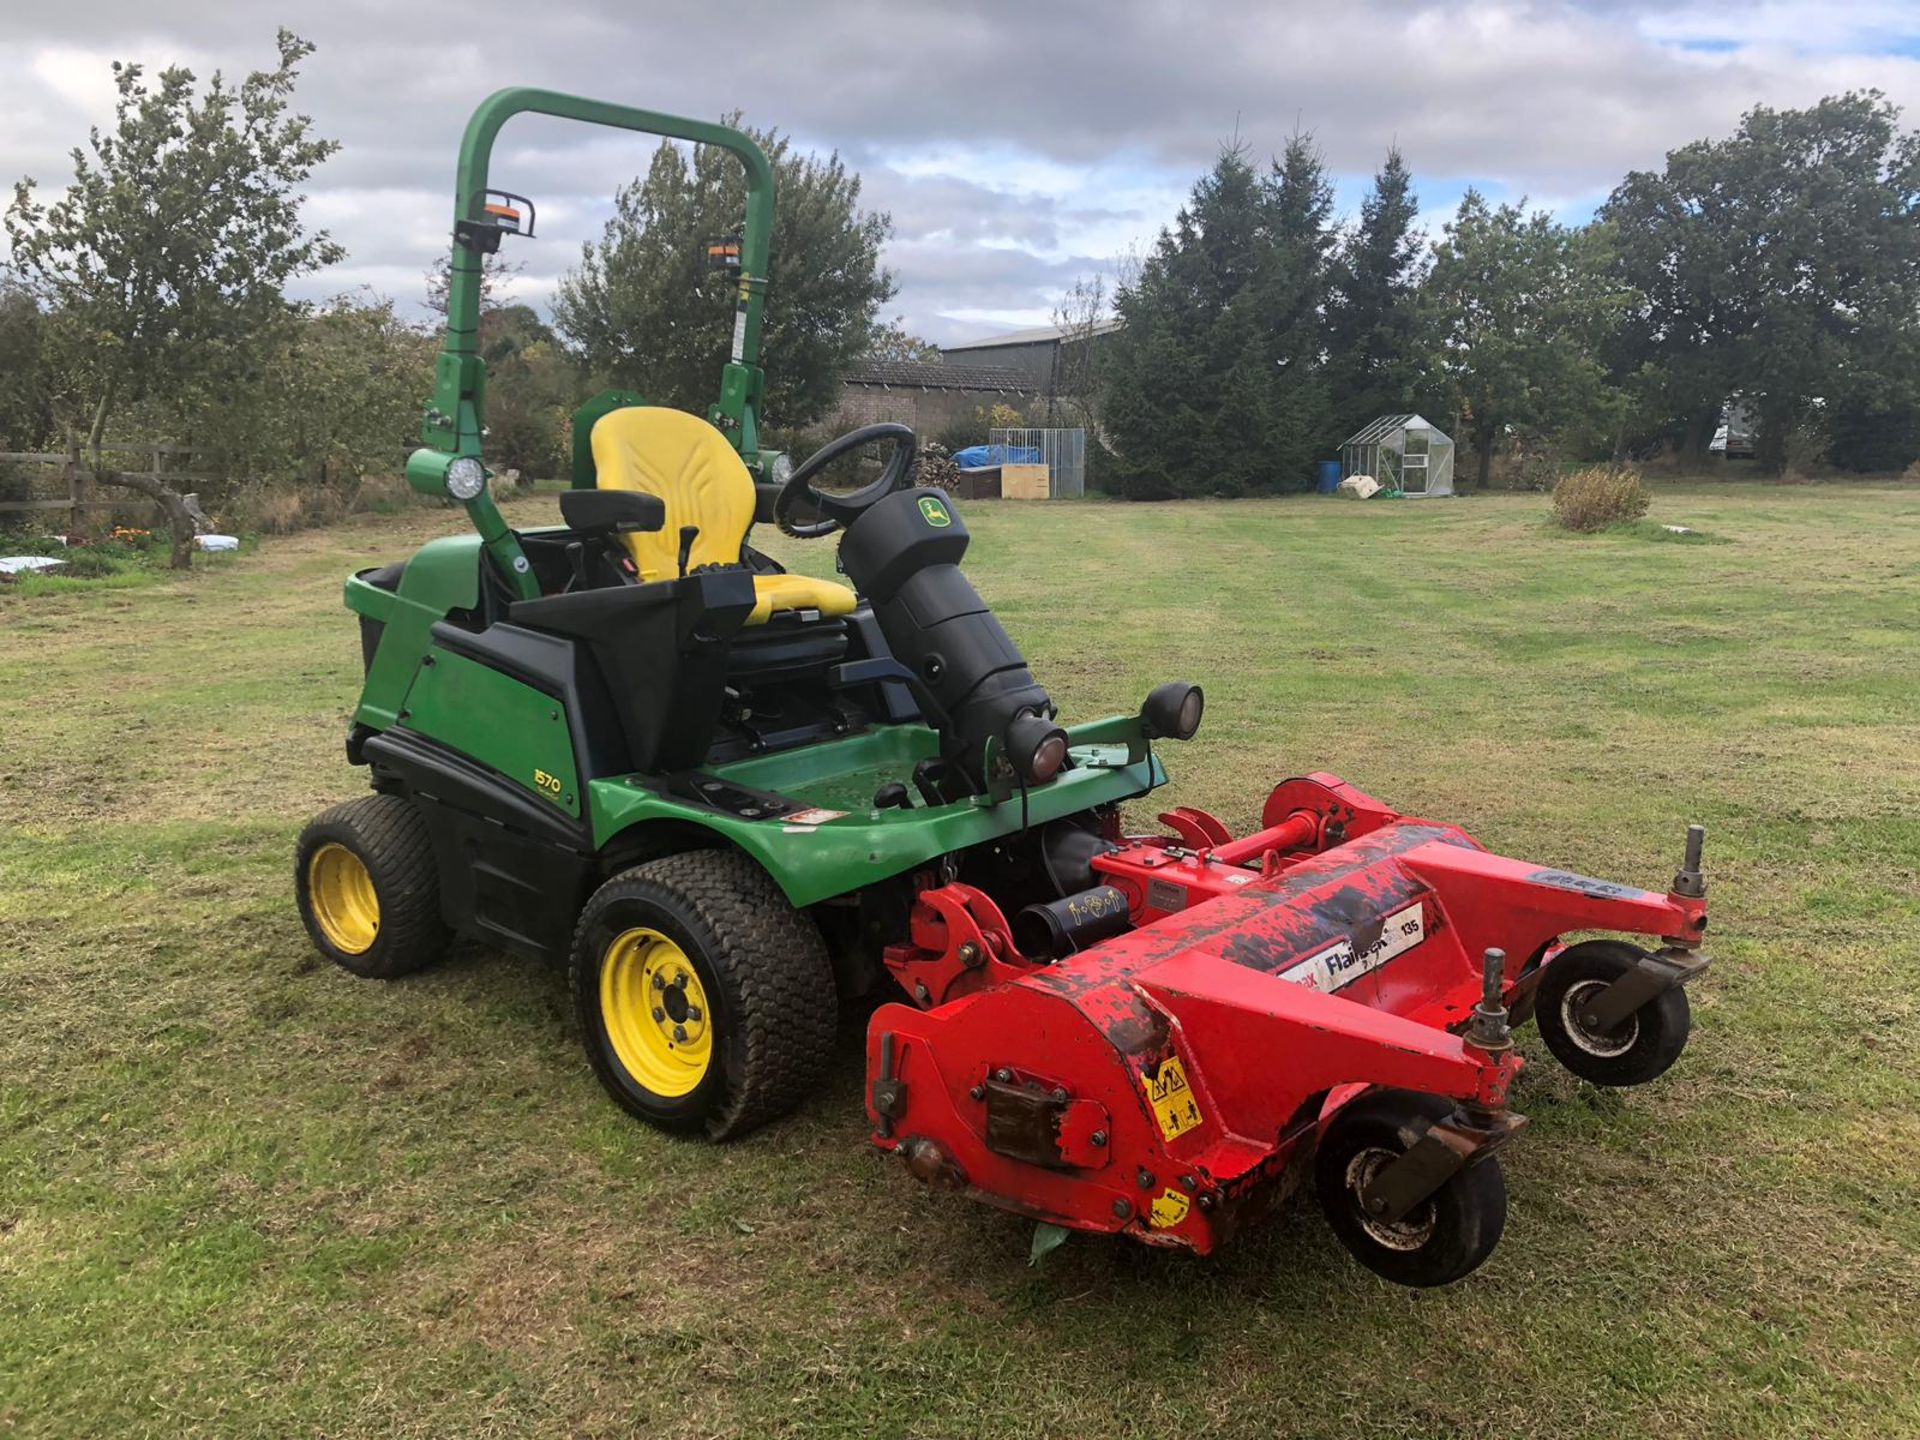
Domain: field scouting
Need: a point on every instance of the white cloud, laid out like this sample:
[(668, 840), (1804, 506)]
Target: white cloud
[(79, 77), (1013, 142)]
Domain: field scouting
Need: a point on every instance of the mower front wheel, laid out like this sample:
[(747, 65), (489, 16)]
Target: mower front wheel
[(1442, 1239), (1640, 1048), (368, 888), (706, 1001)]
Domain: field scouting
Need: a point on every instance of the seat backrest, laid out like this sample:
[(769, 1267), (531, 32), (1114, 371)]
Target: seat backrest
[(692, 468)]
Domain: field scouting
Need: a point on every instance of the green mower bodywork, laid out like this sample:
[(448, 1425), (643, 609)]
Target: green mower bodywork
[(516, 730), (718, 809)]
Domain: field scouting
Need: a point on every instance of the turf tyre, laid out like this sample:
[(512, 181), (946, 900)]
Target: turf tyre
[(764, 969), (390, 838)]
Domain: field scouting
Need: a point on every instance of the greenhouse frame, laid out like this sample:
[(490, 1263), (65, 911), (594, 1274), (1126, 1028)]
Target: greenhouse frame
[(1402, 452)]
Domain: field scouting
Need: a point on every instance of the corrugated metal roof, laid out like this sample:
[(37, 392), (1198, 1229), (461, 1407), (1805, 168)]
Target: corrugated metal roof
[(932, 375), (1038, 335)]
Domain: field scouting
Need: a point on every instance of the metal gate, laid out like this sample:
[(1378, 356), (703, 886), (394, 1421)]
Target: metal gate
[(1063, 452)]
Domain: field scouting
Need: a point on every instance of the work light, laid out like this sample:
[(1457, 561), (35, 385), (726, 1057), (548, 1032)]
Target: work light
[(1036, 747), (466, 478), (1173, 711)]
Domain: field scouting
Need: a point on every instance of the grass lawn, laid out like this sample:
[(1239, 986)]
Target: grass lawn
[(242, 1192)]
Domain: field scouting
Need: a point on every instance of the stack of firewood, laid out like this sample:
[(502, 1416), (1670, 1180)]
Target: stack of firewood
[(935, 467)]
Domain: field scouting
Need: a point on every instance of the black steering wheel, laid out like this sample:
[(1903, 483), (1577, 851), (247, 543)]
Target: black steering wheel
[(838, 511)]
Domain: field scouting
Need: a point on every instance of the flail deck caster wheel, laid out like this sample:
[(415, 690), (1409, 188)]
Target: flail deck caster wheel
[(1640, 1048), (1442, 1239)]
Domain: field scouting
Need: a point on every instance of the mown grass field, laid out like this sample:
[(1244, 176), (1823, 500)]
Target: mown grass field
[(243, 1193)]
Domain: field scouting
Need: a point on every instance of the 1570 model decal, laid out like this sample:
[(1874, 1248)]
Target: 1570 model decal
[(1342, 964)]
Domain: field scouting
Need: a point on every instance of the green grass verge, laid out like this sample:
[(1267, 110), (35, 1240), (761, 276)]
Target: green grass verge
[(243, 1193)]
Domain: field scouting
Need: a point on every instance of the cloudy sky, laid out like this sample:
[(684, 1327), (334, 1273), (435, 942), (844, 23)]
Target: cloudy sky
[(1016, 146)]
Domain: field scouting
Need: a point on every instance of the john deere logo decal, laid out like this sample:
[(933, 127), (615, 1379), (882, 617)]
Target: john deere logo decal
[(934, 513)]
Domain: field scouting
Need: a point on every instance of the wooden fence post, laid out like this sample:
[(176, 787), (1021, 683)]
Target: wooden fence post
[(80, 489)]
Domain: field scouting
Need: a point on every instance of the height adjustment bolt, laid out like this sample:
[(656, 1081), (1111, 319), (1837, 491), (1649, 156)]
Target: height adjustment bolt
[(1488, 1028), (1689, 882)]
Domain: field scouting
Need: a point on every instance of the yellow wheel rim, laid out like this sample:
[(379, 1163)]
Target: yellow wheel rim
[(656, 1013), (341, 894)]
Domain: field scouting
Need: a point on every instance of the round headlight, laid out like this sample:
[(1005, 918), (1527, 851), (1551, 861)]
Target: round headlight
[(781, 470), (466, 478), (1037, 747), (1173, 711)]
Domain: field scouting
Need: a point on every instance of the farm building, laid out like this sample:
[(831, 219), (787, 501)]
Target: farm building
[(1038, 354), (926, 394)]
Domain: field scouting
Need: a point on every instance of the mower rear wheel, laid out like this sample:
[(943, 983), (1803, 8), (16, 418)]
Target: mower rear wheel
[(368, 888), (1641, 1048), (1442, 1239), (706, 1001)]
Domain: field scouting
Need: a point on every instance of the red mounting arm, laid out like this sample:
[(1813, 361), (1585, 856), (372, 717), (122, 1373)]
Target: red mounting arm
[(958, 942)]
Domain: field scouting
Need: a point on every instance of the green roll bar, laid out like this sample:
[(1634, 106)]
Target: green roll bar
[(455, 421)]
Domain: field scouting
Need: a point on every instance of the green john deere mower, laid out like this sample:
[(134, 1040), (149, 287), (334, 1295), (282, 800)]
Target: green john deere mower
[(636, 743)]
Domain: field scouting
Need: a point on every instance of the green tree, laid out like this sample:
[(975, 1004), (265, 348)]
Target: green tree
[(1299, 419), (1516, 311), (26, 400), (1212, 386), (1783, 264), (893, 341), (643, 309), (495, 273), (164, 263), (334, 397), (533, 386), (1074, 392), (1187, 322), (1373, 311)]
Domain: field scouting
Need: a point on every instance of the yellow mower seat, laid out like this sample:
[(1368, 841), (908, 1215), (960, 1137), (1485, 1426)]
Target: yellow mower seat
[(702, 480)]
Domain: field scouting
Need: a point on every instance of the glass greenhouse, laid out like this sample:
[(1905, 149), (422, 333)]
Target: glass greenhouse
[(1402, 452)]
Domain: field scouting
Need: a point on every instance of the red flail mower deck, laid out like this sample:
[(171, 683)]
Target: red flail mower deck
[(1330, 995)]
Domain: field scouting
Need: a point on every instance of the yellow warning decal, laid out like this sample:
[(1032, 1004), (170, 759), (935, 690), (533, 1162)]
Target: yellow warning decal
[(1172, 1098), (1169, 1208)]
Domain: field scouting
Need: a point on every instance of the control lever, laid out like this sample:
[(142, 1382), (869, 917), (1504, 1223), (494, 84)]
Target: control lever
[(577, 558), (688, 534), (928, 776)]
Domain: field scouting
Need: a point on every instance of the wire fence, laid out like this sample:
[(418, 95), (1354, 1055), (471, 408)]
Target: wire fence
[(1063, 452)]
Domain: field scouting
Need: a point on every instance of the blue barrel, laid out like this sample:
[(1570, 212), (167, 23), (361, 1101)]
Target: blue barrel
[(1329, 477)]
